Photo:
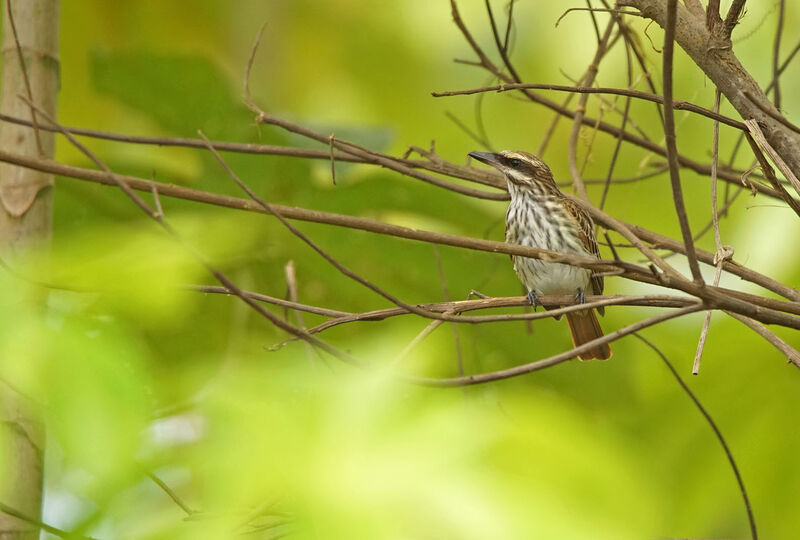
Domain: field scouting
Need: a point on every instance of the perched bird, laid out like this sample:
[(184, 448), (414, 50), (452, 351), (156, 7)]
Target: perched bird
[(541, 216)]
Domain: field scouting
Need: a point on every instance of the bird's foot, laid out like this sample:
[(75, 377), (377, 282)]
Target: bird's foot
[(580, 297), (534, 300)]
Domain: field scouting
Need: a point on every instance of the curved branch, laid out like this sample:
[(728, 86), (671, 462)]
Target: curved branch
[(672, 148), (602, 126), (638, 94), (516, 371), (751, 520), (462, 172), (630, 271), (713, 53)]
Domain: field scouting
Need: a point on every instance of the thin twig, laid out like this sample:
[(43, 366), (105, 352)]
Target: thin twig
[(122, 183), (638, 94), (593, 18), (553, 360), (471, 134), (587, 80), (272, 209), (442, 167), (23, 68), (551, 127), (776, 55), (333, 159), (790, 352), (215, 289), (672, 150), (722, 254), (629, 180), (755, 132), (632, 44), (618, 143), (509, 25), (291, 286), (717, 432), (556, 304), (726, 298), (157, 200), (632, 271), (663, 242), (500, 48), (769, 174), (428, 330), (4, 508), (600, 10), (172, 495), (487, 64), (370, 156), (773, 113), (722, 213)]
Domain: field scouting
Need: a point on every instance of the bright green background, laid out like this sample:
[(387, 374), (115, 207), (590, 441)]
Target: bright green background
[(138, 375)]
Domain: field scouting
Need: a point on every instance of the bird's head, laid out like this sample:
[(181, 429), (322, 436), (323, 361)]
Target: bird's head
[(521, 169)]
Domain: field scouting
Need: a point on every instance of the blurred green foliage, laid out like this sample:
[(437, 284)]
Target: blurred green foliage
[(136, 374)]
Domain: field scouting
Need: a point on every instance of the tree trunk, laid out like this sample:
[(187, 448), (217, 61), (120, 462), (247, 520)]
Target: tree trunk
[(25, 221)]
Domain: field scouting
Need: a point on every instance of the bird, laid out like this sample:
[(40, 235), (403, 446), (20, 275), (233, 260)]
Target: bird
[(541, 216)]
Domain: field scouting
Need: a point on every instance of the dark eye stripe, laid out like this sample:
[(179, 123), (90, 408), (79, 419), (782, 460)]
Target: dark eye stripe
[(520, 165), (514, 163)]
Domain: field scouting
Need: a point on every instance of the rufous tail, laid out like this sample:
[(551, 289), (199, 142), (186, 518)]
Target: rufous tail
[(584, 327)]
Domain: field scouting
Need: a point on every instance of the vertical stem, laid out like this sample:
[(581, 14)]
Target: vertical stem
[(776, 56), (30, 69), (577, 121), (672, 149)]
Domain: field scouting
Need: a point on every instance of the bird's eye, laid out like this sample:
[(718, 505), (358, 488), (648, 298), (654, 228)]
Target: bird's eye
[(514, 162)]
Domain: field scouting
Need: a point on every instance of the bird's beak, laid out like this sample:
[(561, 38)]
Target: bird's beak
[(488, 158)]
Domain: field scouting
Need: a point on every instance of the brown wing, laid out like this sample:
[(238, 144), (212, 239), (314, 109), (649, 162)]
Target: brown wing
[(589, 241)]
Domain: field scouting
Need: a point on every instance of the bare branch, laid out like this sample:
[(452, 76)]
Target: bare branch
[(587, 80), (722, 253), (631, 271), (713, 20), (672, 149), (291, 285), (272, 209), (776, 93), (122, 183), (774, 113), (419, 338), (601, 10), (626, 112), (756, 133), (713, 54), (732, 18), (215, 289), (553, 360), (370, 156), (24, 70), (171, 494), (39, 524), (500, 48), (789, 351), (559, 305), (638, 94), (751, 520)]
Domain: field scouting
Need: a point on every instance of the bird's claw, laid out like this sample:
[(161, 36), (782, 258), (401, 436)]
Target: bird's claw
[(580, 297), (534, 300)]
